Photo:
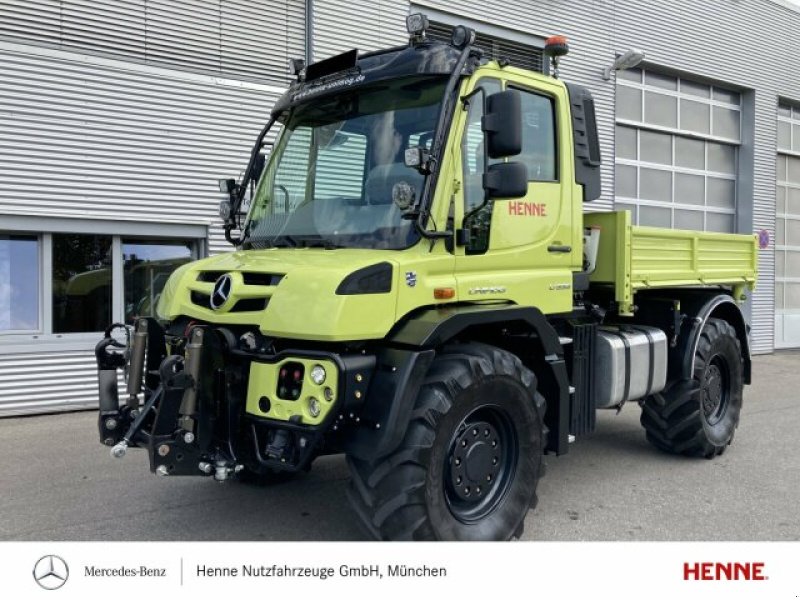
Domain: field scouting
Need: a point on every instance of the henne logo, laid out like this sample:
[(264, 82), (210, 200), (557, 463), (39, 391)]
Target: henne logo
[(222, 290), (50, 572), (730, 571)]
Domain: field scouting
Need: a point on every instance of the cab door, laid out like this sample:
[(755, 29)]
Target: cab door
[(521, 250)]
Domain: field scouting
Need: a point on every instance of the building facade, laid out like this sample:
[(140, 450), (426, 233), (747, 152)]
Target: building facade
[(117, 117)]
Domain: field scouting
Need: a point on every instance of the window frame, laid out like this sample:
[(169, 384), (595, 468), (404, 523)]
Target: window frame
[(782, 217), (638, 126), (45, 339), (520, 87)]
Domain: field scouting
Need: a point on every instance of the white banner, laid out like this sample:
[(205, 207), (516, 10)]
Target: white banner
[(620, 570)]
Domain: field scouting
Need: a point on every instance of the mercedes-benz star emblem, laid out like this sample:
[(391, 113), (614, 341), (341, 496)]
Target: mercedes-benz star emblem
[(50, 572), (222, 289)]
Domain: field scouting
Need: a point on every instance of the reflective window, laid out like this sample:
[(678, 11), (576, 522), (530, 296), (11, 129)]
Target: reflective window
[(147, 264), (538, 137), (19, 283), (81, 282)]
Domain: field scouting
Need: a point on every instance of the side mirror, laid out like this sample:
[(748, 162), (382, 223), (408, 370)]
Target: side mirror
[(506, 180), (502, 124)]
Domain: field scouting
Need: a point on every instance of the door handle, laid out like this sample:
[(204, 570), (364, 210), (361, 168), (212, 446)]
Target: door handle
[(558, 248)]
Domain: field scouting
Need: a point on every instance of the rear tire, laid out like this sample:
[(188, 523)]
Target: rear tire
[(471, 457), (699, 416)]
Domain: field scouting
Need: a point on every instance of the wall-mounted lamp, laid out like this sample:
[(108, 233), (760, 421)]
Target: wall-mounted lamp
[(624, 61)]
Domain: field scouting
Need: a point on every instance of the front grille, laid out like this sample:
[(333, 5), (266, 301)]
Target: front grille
[(248, 278), (250, 305), (261, 278), (201, 299), (210, 276)]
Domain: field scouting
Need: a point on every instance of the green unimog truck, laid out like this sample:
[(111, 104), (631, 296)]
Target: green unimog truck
[(415, 285)]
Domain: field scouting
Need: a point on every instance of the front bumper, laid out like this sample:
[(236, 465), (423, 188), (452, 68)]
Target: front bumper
[(201, 404)]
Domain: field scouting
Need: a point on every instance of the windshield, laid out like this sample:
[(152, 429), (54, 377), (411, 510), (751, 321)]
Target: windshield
[(337, 178)]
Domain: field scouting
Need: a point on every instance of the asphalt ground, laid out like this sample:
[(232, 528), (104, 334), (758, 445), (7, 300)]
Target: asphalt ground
[(58, 483)]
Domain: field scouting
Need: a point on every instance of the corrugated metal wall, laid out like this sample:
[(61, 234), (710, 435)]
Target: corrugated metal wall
[(130, 109), (100, 116)]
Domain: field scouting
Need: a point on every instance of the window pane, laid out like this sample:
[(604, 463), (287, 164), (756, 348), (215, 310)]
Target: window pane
[(81, 282), (695, 116), (147, 264), (784, 135), (690, 153), (538, 137), (779, 261), (780, 199), (792, 296), (792, 263), (19, 283), (780, 236), (689, 189), (688, 219), (778, 296), (629, 103), (695, 89), (626, 142), (784, 110), (796, 138), (625, 181), (793, 201), (726, 96), (726, 123), (663, 81), (721, 158), (655, 185), (793, 239), (655, 147), (793, 169), (661, 109), (630, 75), (718, 222), (721, 192), (654, 216)]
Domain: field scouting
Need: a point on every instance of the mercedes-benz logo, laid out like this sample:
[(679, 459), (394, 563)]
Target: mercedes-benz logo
[(222, 289), (50, 572)]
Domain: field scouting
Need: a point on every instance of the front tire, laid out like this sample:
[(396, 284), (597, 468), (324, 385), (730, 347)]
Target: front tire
[(699, 417), (471, 457)]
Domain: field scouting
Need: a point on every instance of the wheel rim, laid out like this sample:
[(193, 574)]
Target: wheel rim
[(480, 464), (716, 391)]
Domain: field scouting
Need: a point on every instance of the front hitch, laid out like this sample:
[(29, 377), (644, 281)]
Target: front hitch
[(118, 425)]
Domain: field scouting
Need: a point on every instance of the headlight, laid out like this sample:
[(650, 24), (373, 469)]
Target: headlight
[(318, 374)]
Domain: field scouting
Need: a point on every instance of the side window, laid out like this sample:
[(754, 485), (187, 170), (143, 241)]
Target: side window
[(472, 148), (538, 137)]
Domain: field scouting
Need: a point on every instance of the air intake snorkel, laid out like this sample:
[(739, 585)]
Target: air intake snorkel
[(462, 39)]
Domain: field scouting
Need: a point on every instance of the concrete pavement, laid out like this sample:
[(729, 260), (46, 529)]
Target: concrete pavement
[(58, 483)]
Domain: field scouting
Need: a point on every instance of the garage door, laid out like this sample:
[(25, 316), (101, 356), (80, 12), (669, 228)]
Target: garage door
[(787, 229)]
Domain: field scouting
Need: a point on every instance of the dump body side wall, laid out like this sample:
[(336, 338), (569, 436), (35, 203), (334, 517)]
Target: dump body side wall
[(632, 258)]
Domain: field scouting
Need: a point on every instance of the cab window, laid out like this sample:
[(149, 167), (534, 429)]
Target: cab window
[(538, 137)]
